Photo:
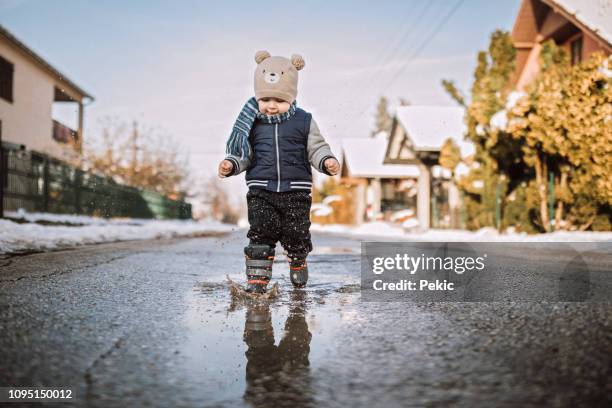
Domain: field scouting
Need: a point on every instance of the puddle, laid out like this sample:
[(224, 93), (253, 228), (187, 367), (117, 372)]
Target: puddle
[(250, 350), (349, 288), (209, 286), (336, 250)]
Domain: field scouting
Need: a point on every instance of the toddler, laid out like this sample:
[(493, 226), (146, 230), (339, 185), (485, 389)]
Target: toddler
[(276, 143)]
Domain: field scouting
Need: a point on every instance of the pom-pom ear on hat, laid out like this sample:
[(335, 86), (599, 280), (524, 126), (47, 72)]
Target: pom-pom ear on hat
[(261, 55), (297, 61)]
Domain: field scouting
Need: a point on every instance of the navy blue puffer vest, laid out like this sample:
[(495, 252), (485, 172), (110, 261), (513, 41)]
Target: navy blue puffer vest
[(280, 158)]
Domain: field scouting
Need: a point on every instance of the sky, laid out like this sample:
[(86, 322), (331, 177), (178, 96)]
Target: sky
[(186, 67)]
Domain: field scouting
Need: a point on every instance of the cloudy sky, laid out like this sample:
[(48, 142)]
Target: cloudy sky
[(186, 66)]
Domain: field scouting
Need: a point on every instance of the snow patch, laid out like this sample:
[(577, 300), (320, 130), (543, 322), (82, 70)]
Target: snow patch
[(398, 215), (500, 120), (480, 131), (605, 69), (330, 199), (411, 223), (321, 210), (513, 98), (15, 237), (382, 229)]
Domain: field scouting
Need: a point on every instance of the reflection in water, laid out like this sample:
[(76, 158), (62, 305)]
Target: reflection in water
[(278, 375)]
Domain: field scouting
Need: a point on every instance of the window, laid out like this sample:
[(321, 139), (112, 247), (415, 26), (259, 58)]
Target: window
[(6, 80), (3, 166), (576, 48)]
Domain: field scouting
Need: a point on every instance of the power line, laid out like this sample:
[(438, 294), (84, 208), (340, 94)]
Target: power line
[(405, 36), (425, 43), (370, 84), (395, 39), (398, 36), (416, 52)]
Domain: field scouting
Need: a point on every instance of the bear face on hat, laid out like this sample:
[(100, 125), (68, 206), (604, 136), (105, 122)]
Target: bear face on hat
[(277, 77)]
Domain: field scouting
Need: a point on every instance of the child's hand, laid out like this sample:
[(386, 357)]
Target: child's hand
[(225, 168), (332, 166)]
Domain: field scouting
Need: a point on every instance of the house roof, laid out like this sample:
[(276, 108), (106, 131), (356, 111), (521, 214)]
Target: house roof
[(428, 127), (364, 158), (594, 14), (37, 58)]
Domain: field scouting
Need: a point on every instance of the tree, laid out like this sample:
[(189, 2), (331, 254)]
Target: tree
[(450, 155), (217, 200), (384, 120), (451, 88), (500, 168), (544, 157), (343, 207), (138, 156), (404, 102), (563, 125)]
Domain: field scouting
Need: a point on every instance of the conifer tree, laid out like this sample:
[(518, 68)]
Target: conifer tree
[(384, 120), (500, 169)]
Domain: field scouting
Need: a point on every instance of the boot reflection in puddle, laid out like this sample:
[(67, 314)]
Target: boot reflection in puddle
[(278, 375)]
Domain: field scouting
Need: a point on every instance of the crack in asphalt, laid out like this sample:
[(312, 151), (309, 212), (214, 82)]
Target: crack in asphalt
[(58, 272), (88, 371), (10, 262), (11, 256)]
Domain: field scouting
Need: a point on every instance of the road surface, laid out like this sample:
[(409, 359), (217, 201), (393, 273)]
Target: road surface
[(152, 323)]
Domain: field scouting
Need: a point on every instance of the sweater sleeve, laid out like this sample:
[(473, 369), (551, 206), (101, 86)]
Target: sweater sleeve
[(318, 149), (238, 164)]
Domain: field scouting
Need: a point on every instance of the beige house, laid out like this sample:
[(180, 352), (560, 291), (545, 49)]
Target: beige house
[(29, 88), (582, 27)]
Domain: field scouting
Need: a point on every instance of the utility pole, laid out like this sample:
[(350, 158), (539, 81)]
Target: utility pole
[(134, 159)]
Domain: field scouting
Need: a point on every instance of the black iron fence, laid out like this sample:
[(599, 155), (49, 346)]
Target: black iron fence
[(38, 183)]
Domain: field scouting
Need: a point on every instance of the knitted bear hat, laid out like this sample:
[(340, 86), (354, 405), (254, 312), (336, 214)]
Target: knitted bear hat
[(277, 77)]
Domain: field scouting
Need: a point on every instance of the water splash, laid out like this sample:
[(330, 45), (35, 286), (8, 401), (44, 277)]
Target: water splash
[(238, 292)]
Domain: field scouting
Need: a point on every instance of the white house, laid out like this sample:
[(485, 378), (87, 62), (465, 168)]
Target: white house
[(417, 135), (380, 187)]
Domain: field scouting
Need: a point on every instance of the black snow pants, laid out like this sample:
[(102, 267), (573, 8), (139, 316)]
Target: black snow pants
[(283, 217)]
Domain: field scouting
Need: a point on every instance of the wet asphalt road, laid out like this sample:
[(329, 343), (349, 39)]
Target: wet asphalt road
[(152, 323)]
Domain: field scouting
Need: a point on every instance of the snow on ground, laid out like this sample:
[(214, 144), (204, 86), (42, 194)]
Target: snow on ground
[(15, 237), (70, 218), (387, 230)]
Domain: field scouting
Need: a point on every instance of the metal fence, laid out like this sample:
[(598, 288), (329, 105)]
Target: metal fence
[(38, 183)]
